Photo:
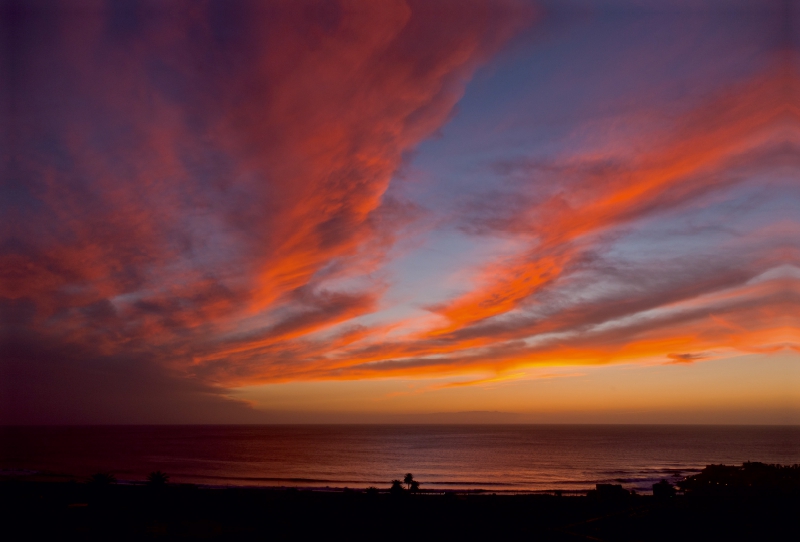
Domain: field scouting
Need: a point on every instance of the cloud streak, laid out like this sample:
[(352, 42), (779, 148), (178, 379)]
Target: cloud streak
[(195, 181)]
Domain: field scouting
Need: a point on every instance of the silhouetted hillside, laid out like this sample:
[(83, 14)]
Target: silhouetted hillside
[(750, 478)]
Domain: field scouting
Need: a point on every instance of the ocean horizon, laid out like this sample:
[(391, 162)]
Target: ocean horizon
[(513, 458)]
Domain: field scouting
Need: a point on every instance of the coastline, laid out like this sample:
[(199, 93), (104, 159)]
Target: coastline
[(62, 478), (269, 484)]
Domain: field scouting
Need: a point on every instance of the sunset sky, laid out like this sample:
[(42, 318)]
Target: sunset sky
[(361, 211)]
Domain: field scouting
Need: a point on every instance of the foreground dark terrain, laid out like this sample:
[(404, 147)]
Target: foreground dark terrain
[(752, 502)]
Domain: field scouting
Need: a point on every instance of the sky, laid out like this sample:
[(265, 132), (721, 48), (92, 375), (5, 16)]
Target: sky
[(400, 211)]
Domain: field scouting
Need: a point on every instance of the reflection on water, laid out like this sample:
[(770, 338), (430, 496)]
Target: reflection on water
[(498, 458)]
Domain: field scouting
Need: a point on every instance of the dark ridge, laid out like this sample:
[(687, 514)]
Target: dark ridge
[(750, 478)]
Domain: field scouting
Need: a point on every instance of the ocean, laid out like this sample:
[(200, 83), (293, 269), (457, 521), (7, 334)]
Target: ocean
[(494, 458)]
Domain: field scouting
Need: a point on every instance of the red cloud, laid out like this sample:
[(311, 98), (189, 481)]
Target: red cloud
[(193, 176), (662, 311)]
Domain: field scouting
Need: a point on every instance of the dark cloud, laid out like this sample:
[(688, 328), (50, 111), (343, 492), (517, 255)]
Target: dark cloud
[(686, 358), (66, 383)]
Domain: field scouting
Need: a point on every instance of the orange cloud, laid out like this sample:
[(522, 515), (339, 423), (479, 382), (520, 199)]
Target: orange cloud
[(197, 178), (742, 129)]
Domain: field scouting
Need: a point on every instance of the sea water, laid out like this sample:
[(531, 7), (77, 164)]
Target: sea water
[(495, 458)]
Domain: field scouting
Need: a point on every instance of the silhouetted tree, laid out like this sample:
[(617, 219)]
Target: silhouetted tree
[(397, 488), (157, 479), (102, 479), (409, 478), (663, 489), (414, 486)]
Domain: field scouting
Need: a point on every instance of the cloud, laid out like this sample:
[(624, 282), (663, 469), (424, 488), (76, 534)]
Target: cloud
[(562, 301), (686, 358), (709, 144), (61, 383), (197, 200), (507, 378), (199, 187)]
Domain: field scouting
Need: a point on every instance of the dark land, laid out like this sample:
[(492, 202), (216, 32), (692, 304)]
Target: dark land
[(749, 502)]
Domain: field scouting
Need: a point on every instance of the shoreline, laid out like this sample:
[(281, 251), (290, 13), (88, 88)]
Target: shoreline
[(60, 478), (440, 488)]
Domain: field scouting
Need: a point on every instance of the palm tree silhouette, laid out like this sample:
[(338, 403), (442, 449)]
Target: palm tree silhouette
[(408, 480)]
